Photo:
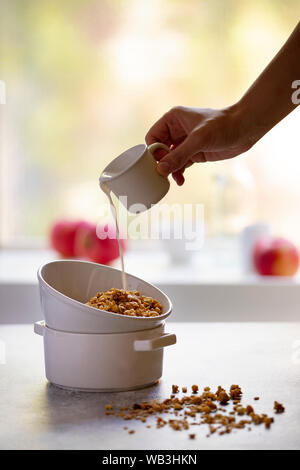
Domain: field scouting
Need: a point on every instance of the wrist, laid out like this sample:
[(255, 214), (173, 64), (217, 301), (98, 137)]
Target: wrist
[(250, 127)]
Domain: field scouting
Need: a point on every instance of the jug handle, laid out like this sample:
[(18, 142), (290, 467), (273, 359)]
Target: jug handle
[(158, 145), (153, 344)]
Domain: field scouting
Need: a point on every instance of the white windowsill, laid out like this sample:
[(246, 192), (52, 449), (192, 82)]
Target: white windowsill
[(200, 290), (20, 267)]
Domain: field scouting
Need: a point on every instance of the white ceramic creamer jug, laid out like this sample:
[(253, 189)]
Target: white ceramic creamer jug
[(134, 179)]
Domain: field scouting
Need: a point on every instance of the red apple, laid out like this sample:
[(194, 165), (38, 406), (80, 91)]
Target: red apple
[(62, 236), (275, 257), (89, 246)]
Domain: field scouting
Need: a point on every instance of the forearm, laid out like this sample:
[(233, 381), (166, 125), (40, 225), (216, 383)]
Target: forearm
[(269, 99), (202, 135)]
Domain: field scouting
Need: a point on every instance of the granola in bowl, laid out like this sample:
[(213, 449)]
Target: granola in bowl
[(125, 302)]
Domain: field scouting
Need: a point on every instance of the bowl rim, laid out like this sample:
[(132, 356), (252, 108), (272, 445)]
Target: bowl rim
[(95, 310)]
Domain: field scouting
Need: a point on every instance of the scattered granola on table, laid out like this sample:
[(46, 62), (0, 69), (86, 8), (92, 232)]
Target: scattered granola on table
[(126, 302), (222, 412), (278, 407)]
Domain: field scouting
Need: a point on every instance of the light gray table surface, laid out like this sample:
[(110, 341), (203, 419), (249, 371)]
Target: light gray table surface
[(263, 358)]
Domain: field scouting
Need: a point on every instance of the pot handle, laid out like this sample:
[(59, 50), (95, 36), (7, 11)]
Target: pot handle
[(155, 343), (39, 327)]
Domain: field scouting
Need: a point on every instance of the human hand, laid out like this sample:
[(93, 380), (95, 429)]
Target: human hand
[(198, 135)]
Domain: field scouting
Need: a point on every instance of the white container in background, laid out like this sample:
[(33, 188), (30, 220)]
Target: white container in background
[(174, 247), (249, 236)]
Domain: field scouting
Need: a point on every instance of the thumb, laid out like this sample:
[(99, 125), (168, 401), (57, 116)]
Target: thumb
[(177, 158)]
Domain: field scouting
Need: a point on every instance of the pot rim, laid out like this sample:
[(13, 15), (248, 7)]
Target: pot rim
[(147, 331)]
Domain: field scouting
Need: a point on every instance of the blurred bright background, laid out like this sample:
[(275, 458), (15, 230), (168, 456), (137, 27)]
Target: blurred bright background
[(86, 79)]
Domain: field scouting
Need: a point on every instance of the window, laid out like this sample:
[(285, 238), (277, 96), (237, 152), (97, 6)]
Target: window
[(85, 79)]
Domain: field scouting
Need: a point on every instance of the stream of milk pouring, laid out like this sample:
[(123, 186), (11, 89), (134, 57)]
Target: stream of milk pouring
[(106, 190)]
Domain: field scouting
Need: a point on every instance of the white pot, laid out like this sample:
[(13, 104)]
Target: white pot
[(104, 362)]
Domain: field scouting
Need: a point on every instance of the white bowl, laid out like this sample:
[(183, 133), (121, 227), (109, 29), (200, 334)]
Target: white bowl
[(66, 285)]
